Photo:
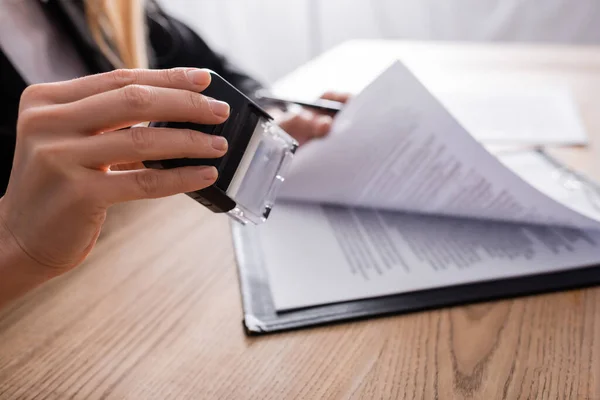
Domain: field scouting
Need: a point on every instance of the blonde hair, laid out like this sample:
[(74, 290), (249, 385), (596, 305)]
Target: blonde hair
[(119, 29)]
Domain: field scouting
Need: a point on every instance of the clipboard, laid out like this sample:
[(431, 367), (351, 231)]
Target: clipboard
[(261, 316)]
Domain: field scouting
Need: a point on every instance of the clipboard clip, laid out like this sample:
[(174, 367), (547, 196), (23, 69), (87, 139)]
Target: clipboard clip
[(574, 181)]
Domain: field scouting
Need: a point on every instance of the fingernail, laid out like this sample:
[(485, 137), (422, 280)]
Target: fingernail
[(209, 173), (324, 125), (219, 143), (219, 108), (325, 120), (198, 77)]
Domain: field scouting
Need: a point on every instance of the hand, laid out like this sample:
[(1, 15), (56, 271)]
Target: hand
[(308, 124), (69, 135)]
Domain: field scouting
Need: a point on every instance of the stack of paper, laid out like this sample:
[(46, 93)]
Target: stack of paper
[(401, 197)]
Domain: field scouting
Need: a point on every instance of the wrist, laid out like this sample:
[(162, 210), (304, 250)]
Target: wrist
[(18, 272)]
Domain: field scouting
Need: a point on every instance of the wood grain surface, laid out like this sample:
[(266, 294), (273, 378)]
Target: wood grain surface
[(155, 312)]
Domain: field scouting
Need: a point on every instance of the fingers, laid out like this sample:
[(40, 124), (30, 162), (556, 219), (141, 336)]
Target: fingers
[(122, 186), (335, 96), (133, 104), (307, 125), (127, 166), (140, 144), (313, 124), (322, 125), (192, 79)]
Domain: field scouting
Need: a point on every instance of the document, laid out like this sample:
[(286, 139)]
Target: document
[(322, 254), (408, 153), (401, 197)]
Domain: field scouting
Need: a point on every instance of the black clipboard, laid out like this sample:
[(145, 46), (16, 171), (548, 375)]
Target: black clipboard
[(261, 317)]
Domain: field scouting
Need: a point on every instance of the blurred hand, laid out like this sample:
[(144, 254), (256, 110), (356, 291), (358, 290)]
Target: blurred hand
[(69, 135), (307, 124)]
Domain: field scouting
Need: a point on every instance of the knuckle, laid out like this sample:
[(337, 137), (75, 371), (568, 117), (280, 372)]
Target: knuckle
[(197, 101), (193, 138), (32, 92), (51, 156), (147, 182), (180, 178), (31, 120), (125, 77), (142, 138), (32, 95), (175, 76), (138, 96), (28, 119)]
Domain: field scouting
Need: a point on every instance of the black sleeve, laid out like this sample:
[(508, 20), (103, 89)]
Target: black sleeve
[(173, 44), (11, 87), (7, 149)]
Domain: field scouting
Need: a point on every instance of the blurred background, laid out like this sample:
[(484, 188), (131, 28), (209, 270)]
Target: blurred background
[(293, 31)]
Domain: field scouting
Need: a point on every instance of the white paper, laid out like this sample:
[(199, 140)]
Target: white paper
[(395, 147), (531, 115), (320, 255)]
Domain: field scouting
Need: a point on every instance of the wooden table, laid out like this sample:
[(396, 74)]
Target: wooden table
[(155, 311)]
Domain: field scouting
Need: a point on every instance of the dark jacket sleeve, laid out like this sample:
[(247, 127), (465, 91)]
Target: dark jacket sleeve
[(11, 87), (173, 44), (7, 149)]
